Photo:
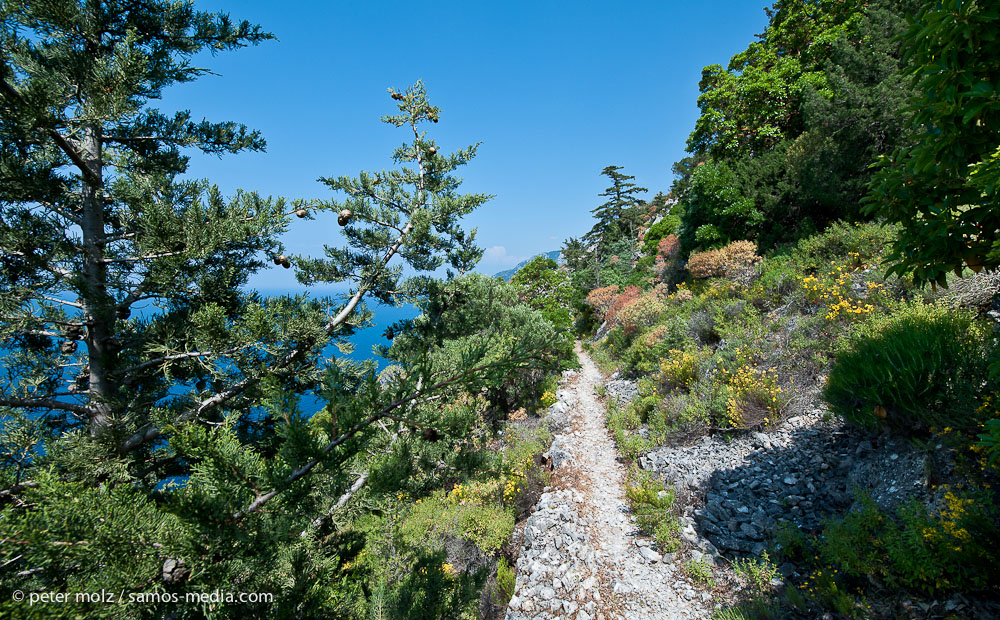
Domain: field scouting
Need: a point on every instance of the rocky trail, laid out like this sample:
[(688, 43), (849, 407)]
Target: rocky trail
[(582, 554)]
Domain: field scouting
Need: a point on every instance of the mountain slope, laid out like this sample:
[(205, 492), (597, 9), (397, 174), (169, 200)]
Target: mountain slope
[(509, 273)]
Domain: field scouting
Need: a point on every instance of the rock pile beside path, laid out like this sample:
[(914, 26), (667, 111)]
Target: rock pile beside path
[(556, 568), (800, 472)]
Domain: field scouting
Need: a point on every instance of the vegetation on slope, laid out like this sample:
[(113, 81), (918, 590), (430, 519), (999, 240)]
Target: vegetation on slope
[(786, 268)]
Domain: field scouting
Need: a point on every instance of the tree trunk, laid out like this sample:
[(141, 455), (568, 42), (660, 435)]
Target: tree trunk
[(98, 307)]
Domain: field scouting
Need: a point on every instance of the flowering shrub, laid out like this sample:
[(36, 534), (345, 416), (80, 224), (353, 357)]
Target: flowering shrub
[(679, 370), (927, 550), (548, 399), (601, 299), (735, 261), (754, 396), (640, 312), (834, 290)]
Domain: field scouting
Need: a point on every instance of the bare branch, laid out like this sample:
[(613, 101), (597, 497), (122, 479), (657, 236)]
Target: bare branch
[(340, 503), (48, 267), (179, 356), (61, 301), (46, 402), (136, 259), (17, 488)]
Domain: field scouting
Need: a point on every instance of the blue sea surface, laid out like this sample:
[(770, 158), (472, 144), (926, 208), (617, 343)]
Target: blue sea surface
[(364, 339)]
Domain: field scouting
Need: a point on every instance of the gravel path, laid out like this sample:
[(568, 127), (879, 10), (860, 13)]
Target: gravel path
[(581, 555)]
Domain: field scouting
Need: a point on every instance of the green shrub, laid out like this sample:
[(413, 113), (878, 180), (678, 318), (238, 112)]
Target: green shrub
[(920, 367), (700, 570), (989, 440), (853, 543), (791, 542), (919, 549), (640, 313), (506, 579), (646, 350), (652, 504), (758, 573), (707, 404), (488, 526), (869, 241)]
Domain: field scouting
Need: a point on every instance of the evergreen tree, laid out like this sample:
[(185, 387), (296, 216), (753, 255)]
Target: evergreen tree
[(617, 218), (157, 426)]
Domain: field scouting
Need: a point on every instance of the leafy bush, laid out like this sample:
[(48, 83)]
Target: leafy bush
[(650, 347), (506, 579), (700, 571), (653, 240), (920, 367), (734, 261), (601, 299), (626, 297), (461, 516), (640, 312), (930, 551), (716, 211), (622, 420), (652, 504), (869, 241), (758, 573)]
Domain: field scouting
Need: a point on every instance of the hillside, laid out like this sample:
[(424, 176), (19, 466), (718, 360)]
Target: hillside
[(507, 274), (770, 390)]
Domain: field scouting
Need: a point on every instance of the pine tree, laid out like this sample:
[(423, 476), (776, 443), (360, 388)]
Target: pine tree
[(617, 218), (156, 426)]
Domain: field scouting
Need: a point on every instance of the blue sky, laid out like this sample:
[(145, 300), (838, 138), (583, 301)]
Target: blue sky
[(555, 91)]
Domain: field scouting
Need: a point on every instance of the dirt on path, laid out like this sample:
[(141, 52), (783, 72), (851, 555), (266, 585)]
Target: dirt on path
[(582, 554)]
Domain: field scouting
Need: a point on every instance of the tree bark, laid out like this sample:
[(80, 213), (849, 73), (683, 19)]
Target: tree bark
[(98, 307)]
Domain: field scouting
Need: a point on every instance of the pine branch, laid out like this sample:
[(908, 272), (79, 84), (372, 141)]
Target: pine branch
[(340, 503), (57, 137), (178, 356), (46, 402), (258, 503), (151, 432)]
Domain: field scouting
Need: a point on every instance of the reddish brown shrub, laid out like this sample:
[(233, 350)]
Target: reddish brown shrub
[(668, 247), (640, 312), (601, 299), (735, 261), (630, 294), (707, 264)]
